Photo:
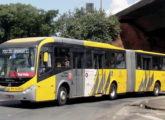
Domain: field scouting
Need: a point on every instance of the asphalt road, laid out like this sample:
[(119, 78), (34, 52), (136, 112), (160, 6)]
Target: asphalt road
[(77, 109)]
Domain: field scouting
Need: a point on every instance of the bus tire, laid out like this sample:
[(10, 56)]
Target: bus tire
[(62, 96), (113, 91), (156, 90)]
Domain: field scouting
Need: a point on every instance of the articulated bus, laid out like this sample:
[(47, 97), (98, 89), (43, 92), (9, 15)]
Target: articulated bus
[(52, 68)]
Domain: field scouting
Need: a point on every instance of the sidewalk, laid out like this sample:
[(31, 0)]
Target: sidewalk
[(157, 103)]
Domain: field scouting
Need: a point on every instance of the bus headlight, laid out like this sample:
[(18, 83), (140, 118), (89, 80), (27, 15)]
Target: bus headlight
[(6, 89)]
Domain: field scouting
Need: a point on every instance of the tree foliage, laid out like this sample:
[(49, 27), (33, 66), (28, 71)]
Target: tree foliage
[(95, 26), (20, 20)]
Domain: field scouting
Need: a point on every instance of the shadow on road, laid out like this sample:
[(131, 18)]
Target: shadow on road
[(17, 104)]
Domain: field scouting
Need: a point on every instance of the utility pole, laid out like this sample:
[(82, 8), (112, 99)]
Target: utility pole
[(101, 5)]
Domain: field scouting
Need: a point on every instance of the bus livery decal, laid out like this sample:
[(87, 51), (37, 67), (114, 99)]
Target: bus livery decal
[(144, 85)]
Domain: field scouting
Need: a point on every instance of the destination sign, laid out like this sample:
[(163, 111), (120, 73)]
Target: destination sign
[(15, 51)]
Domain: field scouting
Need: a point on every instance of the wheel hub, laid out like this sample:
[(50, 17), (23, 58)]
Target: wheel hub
[(63, 95), (113, 93), (156, 90)]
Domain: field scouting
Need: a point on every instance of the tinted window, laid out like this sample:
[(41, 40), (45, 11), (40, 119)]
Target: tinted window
[(62, 58), (147, 63), (163, 63), (120, 60), (138, 62), (88, 58), (45, 67), (97, 61), (78, 59), (115, 60), (156, 63), (110, 60)]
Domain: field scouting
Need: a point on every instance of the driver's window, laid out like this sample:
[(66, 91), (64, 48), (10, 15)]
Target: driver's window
[(45, 67)]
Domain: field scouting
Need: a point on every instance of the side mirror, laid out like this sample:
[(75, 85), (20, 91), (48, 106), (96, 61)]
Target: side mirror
[(46, 57)]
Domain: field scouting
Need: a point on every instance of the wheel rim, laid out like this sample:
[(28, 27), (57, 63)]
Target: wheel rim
[(156, 90), (63, 95), (113, 92)]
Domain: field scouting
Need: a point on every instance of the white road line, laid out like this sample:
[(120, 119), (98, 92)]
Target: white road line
[(149, 117)]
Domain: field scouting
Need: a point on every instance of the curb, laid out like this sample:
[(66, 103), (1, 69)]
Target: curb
[(156, 103), (149, 103)]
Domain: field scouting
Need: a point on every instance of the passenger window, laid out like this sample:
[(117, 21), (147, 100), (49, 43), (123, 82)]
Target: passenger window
[(138, 62), (88, 58), (120, 60), (62, 58), (155, 63), (110, 60), (147, 63), (163, 64), (78, 60), (98, 61)]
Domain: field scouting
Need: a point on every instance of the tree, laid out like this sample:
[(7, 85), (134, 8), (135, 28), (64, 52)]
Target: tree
[(93, 26), (20, 20)]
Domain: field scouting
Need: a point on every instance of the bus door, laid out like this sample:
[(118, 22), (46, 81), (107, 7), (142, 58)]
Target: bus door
[(78, 71), (46, 78), (147, 64), (98, 63)]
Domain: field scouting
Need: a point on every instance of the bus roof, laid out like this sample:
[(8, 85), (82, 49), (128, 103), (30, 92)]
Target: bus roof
[(147, 52), (101, 45), (23, 40), (32, 41), (85, 43)]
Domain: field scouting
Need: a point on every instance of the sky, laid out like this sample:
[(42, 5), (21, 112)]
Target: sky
[(110, 6)]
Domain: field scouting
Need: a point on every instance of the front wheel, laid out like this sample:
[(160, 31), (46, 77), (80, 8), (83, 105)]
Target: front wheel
[(113, 91), (156, 90), (62, 96)]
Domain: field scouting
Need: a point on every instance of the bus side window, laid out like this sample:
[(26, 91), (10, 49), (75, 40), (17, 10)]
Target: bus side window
[(147, 65), (62, 57), (88, 59), (138, 62), (155, 63), (95, 62), (112, 60), (120, 60), (78, 60), (163, 63), (45, 66), (98, 61)]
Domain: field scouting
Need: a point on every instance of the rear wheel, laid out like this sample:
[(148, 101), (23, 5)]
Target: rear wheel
[(62, 96), (113, 91), (156, 90)]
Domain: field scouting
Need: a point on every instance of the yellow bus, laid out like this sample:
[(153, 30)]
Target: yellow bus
[(52, 68), (150, 72)]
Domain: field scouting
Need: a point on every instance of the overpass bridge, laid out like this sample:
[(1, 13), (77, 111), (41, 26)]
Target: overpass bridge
[(143, 25)]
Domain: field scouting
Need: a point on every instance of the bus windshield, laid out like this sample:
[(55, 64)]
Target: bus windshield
[(17, 62)]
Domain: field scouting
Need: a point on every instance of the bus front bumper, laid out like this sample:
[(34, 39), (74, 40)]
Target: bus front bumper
[(28, 94)]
